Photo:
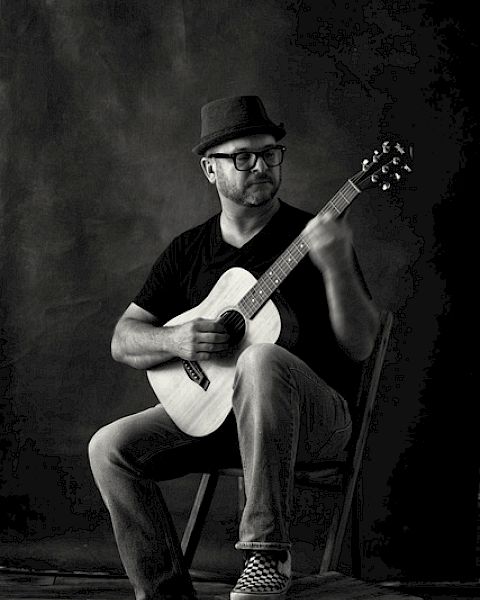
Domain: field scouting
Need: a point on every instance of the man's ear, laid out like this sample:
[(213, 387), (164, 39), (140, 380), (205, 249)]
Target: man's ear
[(208, 169)]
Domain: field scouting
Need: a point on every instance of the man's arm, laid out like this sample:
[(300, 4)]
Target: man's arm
[(140, 342), (353, 314)]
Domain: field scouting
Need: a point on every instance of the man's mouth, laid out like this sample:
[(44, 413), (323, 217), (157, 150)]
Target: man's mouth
[(259, 181)]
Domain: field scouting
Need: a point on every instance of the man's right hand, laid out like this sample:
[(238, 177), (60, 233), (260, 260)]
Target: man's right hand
[(199, 339)]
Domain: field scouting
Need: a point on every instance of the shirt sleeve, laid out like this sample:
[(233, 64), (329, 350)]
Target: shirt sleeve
[(161, 293)]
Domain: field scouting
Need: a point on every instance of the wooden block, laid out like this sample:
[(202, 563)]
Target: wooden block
[(42, 587), (330, 586), (335, 586), (27, 579)]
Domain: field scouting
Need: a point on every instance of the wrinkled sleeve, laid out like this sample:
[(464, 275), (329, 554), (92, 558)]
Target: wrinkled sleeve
[(161, 293)]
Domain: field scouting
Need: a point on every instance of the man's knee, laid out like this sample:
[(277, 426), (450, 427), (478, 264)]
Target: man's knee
[(262, 380), (102, 447), (260, 359)]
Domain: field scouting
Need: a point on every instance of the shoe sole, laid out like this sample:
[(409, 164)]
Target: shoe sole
[(259, 595)]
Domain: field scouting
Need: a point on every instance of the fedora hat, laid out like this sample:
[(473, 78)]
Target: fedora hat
[(236, 116)]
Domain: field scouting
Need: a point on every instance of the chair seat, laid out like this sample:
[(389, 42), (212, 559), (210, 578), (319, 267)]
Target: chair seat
[(326, 474)]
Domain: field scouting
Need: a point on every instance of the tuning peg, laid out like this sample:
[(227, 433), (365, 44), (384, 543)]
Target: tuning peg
[(364, 164), (386, 147), (407, 168), (397, 176), (374, 178), (399, 148), (385, 186), (385, 169), (396, 160), (376, 154)]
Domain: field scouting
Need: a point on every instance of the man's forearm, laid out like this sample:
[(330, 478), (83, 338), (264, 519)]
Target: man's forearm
[(353, 315), (141, 345)]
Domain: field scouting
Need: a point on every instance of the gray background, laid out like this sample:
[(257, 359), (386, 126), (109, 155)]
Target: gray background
[(99, 108)]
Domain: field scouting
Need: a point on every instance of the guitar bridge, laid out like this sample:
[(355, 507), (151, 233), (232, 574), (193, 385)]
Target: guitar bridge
[(196, 373)]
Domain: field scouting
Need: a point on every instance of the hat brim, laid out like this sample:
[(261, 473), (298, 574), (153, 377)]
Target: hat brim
[(277, 131)]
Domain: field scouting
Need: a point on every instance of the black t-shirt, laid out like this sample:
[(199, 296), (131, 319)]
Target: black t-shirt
[(188, 269)]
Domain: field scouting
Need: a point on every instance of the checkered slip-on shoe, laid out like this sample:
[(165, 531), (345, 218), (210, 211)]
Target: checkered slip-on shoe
[(265, 577)]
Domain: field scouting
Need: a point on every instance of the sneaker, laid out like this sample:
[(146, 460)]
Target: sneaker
[(266, 576)]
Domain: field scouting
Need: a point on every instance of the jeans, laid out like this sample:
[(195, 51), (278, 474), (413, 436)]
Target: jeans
[(283, 415)]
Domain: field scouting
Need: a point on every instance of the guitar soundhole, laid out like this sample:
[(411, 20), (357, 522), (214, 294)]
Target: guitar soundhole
[(234, 323)]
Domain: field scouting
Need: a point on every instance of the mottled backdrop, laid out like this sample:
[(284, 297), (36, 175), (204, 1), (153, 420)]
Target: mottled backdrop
[(99, 106)]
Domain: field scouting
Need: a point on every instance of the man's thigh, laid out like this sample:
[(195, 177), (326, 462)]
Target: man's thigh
[(325, 422), (151, 443)]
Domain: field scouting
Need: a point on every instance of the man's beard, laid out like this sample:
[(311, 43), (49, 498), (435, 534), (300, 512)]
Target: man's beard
[(249, 194)]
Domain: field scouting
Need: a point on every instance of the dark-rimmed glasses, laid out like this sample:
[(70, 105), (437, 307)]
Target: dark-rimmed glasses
[(244, 161)]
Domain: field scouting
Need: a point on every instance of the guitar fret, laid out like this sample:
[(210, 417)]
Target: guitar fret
[(342, 199), (275, 279), (356, 190), (338, 210), (291, 258), (268, 284)]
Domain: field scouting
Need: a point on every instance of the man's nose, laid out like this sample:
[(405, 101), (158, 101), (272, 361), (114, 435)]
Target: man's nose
[(260, 165)]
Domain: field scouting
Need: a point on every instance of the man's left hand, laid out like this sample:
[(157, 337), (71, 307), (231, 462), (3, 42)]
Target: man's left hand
[(330, 243)]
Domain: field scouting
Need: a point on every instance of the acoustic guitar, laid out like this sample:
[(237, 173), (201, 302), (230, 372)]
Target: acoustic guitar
[(198, 395)]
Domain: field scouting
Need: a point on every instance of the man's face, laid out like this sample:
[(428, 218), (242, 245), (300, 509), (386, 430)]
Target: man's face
[(255, 187)]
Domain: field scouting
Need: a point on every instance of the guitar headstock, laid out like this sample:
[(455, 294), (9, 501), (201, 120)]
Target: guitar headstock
[(387, 167)]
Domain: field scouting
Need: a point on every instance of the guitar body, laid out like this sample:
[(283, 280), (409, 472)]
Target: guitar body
[(195, 410)]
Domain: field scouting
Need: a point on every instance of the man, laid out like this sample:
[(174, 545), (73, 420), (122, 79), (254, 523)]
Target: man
[(289, 405)]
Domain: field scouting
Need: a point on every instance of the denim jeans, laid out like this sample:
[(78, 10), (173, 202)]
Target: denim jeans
[(283, 414)]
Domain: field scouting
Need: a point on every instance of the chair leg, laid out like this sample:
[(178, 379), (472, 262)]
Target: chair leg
[(357, 517), (198, 515), (330, 543), (337, 529)]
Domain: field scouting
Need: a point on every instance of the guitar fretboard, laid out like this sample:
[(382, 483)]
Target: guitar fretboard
[(258, 295)]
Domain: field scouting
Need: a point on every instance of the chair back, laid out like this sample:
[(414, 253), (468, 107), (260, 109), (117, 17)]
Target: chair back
[(365, 403), (367, 391)]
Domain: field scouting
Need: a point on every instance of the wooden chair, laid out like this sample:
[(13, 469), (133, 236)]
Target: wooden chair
[(340, 475)]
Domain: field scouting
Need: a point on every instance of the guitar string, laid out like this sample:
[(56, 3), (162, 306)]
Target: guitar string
[(295, 252)]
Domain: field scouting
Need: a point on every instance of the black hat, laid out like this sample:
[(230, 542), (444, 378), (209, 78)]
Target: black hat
[(233, 117)]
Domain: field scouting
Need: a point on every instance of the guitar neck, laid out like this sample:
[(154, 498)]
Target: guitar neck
[(260, 293)]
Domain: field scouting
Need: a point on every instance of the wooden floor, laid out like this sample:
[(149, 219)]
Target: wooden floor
[(331, 586)]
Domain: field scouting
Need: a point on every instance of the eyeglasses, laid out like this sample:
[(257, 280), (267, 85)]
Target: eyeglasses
[(245, 161)]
